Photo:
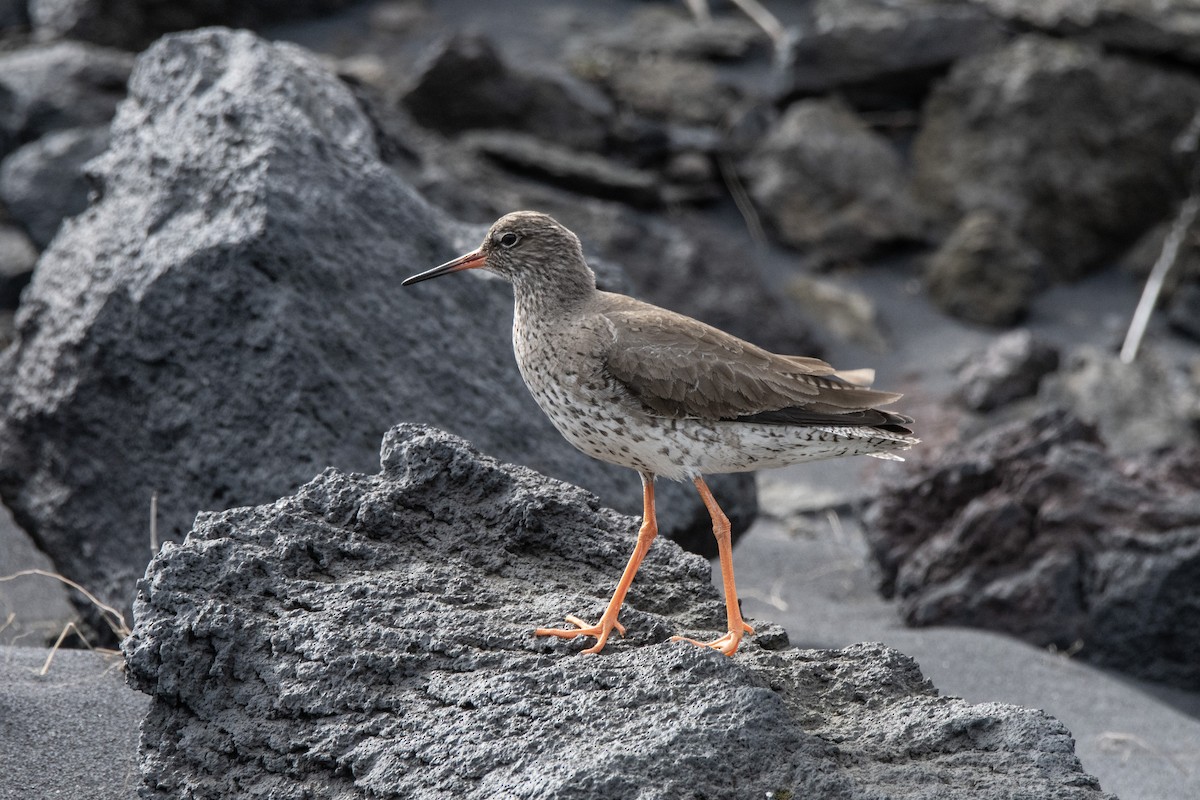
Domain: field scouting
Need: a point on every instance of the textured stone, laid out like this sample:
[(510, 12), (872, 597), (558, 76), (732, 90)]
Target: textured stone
[(823, 180), (983, 272), (1010, 368), (1165, 29), (43, 182), (17, 257), (882, 54), (1037, 530), (371, 636), (1070, 147), (234, 290), (464, 84)]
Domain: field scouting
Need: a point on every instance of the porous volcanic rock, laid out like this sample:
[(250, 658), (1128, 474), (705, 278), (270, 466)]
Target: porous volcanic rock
[(234, 291), (371, 636), (1010, 368), (1036, 530), (1072, 147)]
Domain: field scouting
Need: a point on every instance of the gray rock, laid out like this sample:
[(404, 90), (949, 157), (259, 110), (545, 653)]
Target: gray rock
[(882, 54), (17, 258), (983, 272), (1037, 530), (34, 609), (1139, 260), (1008, 369), (54, 87), (43, 182), (463, 84), (133, 24), (1160, 28), (582, 172), (235, 287), (1140, 407), (823, 180), (658, 31), (1028, 133), (279, 643)]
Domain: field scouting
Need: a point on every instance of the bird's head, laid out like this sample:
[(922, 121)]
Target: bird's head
[(528, 249)]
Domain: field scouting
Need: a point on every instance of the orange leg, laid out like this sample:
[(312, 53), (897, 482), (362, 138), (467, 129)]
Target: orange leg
[(608, 620), (727, 644)]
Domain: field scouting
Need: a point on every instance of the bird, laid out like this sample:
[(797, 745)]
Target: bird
[(639, 386)]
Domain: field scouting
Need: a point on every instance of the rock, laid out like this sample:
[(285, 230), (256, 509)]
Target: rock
[(881, 54), (1035, 529), (658, 31), (134, 24), (234, 288), (823, 180), (983, 272), (34, 609), (1140, 259), (847, 313), (582, 172), (1184, 313), (278, 643), (1030, 133), (17, 257), (670, 90), (58, 86), (1163, 29), (43, 182), (1140, 407), (464, 85), (1008, 369)]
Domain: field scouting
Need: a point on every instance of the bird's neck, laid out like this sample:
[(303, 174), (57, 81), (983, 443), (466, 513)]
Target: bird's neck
[(565, 295)]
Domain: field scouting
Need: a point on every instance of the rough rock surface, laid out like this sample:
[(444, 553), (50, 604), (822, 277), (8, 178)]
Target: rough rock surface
[(1035, 529), (1141, 407), (43, 182), (233, 292), (1008, 369), (983, 272), (371, 636), (824, 181), (1163, 29), (881, 54), (1072, 147)]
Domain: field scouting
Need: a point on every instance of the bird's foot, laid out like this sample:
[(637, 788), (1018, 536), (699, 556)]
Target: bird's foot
[(727, 644), (600, 630)]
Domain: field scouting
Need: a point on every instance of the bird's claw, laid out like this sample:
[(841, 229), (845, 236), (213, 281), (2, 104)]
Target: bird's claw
[(727, 644), (600, 630)]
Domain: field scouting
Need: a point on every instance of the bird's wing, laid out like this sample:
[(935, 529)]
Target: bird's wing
[(678, 367)]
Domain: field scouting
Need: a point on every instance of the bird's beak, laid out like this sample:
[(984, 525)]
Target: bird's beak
[(471, 260)]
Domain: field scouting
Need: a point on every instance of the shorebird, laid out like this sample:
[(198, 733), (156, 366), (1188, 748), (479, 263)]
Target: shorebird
[(667, 395)]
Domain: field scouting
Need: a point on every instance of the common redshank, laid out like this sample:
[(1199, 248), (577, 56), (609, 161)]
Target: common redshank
[(667, 395)]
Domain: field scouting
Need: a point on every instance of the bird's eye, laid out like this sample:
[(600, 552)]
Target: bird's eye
[(509, 240)]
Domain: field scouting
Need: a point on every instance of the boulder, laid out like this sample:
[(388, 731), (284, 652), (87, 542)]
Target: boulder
[(235, 289), (372, 636), (1037, 530), (43, 182), (983, 272), (17, 257), (1010, 368), (1072, 148), (1163, 29), (881, 54), (1141, 407), (822, 180), (463, 84), (58, 86)]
